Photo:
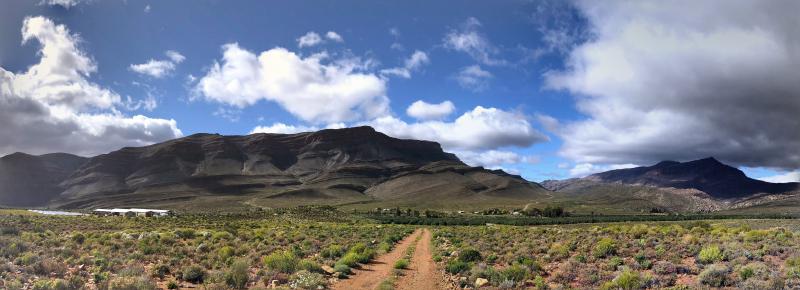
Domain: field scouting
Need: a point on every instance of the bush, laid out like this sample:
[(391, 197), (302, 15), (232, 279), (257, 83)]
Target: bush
[(172, 284), (627, 280), (341, 268), (604, 248), (469, 255), (401, 264), (238, 275), (709, 255), (56, 284), (515, 273), (128, 283), (226, 252), (306, 280), (349, 259), (456, 266), (715, 275), (160, 271), (310, 266), (194, 274), (284, 262), (332, 251)]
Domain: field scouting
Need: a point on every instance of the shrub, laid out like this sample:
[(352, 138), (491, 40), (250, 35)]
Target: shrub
[(558, 251), (172, 284), (664, 268), (709, 255), (401, 264), (127, 283), (604, 248), (341, 268), (194, 274), (238, 275), (627, 280), (226, 252), (715, 275), (332, 251), (310, 266), (284, 262), (456, 266), (160, 271), (469, 255), (306, 280), (515, 273), (55, 284), (78, 238), (349, 259)]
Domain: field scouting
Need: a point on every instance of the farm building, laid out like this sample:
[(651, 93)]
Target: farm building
[(132, 212)]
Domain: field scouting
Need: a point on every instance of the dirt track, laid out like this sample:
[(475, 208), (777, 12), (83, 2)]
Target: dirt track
[(372, 274), (422, 273)]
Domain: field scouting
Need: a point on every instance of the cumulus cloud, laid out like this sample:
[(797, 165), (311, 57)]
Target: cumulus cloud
[(281, 128), (159, 68), (584, 169), (311, 88), (53, 107), (494, 159), (791, 176), (332, 35), (413, 62), (468, 39), (473, 78), (478, 129), (63, 3), (309, 39), (422, 110), (666, 80)]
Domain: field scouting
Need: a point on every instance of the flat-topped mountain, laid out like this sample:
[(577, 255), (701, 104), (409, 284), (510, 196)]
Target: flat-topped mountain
[(332, 166)]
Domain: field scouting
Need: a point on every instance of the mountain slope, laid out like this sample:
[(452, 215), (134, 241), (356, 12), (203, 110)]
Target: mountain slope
[(28, 180), (352, 165)]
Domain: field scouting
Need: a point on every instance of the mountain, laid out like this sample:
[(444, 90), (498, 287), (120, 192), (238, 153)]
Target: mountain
[(699, 185), (28, 180), (336, 166)]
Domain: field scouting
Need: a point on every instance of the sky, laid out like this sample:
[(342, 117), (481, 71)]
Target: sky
[(544, 89)]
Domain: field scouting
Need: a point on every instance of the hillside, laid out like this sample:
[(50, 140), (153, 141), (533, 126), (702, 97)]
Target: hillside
[(336, 166), (28, 180)]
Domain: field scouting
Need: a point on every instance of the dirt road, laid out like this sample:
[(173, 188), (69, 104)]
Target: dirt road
[(422, 273), (372, 274)]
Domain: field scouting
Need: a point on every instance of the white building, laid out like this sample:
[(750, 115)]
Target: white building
[(143, 212)]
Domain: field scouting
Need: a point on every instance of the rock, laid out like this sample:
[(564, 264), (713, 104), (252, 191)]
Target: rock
[(480, 282), (274, 284), (328, 269)]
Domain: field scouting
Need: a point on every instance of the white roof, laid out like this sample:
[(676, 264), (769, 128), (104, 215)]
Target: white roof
[(137, 210)]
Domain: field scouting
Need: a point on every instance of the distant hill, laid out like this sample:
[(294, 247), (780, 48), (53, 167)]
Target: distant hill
[(336, 166), (28, 180), (699, 185)]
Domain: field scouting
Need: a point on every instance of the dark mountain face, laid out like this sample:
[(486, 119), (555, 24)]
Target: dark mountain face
[(339, 165), (28, 180), (707, 175)]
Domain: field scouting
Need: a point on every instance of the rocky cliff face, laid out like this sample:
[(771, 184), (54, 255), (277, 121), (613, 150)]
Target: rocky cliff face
[(347, 165), (28, 180)]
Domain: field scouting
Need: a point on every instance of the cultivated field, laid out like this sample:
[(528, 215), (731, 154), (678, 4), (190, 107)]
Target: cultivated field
[(317, 248)]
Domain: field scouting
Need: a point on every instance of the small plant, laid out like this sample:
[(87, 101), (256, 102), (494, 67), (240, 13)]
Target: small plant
[(284, 262), (709, 255), (172, 284), (306, 280), (456, 266), (627, 280), (469, 255), (194, 274), (604, 248), (714, 275), (401, 264), (238, 275)]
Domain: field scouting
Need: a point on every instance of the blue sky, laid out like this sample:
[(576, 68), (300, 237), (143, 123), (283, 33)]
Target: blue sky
[(528, 92)]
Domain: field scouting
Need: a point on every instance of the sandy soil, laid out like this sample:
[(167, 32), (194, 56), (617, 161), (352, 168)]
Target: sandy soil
[(372, 274), (422, 273)]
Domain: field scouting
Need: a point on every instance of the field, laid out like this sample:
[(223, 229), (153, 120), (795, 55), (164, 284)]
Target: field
[(317, 248)]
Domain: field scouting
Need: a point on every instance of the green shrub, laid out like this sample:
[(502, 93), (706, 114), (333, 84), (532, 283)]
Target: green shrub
[(342, 268), (401, 264), (627, 280), (515, 273), (55, 284), (284, 262), (349, 259), (332, 251), (194, 274), (715, 275), (238, 275), (172, 284), (306, 280), (131, 283), (310, 266), (160, 271), (604, 248), (456, 266), (469, 255), (710, 254), (226, 252)]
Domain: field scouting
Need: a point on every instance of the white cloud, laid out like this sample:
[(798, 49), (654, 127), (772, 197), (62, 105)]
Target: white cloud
[(229, 114), (310, 88), (332, 35), (309, 39), (63, 3), (473, 78), (422, 110), (584, 169), (469, 40), (479, 129), (494, 159), (667, 80), (159, 68), (53, 107), (147, 8), (791, 176), (413, 62), (281, 128)]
